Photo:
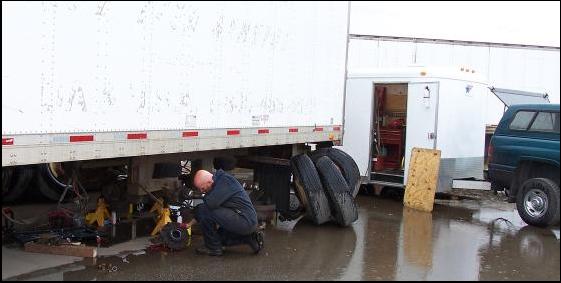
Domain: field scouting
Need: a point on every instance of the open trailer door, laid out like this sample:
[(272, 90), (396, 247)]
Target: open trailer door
[(357, 135)]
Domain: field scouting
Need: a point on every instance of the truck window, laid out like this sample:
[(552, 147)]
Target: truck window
[(522, 120), (546, 122)]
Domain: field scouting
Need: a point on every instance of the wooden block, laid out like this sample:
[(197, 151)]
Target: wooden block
[(70, 250), (422, 179)]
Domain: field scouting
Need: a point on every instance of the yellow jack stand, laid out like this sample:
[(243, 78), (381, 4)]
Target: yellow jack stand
[(100, 214), (162, 221)]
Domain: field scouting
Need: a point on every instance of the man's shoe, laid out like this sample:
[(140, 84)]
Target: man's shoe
[(207, 251), (256, 241)]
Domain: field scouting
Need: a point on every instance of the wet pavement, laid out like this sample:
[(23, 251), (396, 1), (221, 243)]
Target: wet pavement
[(460, 240)]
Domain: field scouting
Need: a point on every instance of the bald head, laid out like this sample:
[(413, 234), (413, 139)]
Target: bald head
[(203, 181)]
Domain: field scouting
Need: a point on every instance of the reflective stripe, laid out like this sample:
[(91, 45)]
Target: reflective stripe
[(85, 138), (8, 141), (137, 136), (233, 132)]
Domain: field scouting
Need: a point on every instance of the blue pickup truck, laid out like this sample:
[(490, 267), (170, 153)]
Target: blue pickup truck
[(524, 161)]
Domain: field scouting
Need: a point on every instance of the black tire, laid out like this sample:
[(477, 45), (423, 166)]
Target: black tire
[(346, 164), (174, 236), (342, 202), (51, 185), (16, 183), (531, 194), (309, 189)]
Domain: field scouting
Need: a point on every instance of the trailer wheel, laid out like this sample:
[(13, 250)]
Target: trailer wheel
[(309, 188), (342, 202), (15, 182), (346, 164), (52, 179), (174, 236)]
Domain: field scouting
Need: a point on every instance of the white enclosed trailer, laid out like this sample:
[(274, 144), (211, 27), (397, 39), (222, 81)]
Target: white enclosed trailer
[(147, 82), (420, 107)]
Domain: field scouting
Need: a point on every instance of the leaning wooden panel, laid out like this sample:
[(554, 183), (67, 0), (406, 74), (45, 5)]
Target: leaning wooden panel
[(422, 179)]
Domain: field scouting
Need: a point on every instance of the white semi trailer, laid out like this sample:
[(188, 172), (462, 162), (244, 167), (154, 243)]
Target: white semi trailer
[(139, 84)]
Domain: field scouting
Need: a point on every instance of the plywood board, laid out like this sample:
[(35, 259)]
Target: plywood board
[(422, 179)]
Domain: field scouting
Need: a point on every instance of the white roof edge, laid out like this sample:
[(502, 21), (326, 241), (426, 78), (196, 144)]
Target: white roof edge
[(419, 72)]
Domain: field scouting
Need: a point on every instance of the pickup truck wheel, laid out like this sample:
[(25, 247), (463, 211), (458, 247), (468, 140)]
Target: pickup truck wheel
[(538, 202), (309, 189)]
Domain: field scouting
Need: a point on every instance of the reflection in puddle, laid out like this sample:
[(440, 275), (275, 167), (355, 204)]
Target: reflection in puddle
[(355, 268), (417, 237), (459, 244), (437, 250)]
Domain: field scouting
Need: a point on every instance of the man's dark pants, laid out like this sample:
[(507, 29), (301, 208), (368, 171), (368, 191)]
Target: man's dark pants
[(232, 229)]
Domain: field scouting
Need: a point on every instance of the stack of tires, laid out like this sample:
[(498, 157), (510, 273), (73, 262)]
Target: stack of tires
[(326, 182)]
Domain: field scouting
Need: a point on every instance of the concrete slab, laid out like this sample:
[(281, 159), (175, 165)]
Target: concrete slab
[(16, 262)]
